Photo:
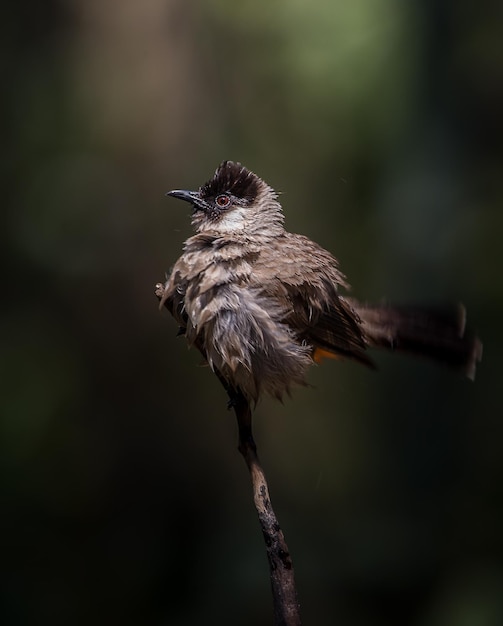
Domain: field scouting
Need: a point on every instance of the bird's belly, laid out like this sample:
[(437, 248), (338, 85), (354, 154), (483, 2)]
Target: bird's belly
[(246, 340)]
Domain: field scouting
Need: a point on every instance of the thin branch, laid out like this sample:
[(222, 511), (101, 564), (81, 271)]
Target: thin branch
[(284, 593)]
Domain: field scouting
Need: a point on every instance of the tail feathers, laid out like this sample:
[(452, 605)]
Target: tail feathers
[(439, 334)]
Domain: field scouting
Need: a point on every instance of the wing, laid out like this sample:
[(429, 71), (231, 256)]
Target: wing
[(308, 278), (171, 296)]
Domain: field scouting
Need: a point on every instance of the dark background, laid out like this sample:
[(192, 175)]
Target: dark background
[(124, 498)]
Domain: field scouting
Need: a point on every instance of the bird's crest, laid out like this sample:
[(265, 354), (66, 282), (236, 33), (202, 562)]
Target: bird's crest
[(234, 178)]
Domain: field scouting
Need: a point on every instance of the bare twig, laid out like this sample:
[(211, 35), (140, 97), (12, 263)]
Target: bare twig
[(284, 593)]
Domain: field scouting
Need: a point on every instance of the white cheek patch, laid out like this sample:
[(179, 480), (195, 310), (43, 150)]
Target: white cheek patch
[(232, 221)]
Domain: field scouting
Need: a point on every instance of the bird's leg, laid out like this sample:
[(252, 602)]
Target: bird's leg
[(236, 398)]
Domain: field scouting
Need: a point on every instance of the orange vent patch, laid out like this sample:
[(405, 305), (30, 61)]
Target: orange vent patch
[(319, 354)]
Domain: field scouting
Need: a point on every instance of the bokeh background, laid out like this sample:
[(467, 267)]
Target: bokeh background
[(125, 500)]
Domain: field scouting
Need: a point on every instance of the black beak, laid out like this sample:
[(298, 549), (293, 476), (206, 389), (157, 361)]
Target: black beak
[(189, 196)]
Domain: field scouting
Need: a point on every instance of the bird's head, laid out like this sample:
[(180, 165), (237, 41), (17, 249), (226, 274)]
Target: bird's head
[(234, 201)]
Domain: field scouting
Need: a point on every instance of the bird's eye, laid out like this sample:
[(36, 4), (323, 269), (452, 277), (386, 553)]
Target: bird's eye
[(222, 201)]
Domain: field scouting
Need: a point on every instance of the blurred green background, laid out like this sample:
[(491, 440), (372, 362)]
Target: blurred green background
[(125, 500)]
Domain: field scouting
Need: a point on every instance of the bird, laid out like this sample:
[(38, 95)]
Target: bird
[(263, 304)]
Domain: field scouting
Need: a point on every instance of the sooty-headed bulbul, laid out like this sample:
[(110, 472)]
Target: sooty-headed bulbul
[(263, 304)]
